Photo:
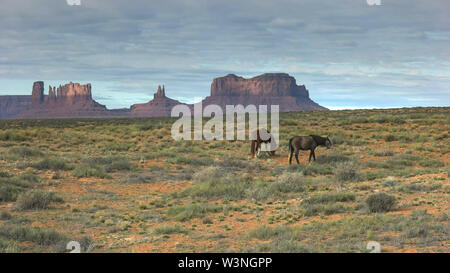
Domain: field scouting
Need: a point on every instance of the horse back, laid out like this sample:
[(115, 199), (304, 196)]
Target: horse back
[(303, 142)]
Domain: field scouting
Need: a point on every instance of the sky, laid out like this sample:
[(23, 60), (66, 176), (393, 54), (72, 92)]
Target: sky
[(349, 54)]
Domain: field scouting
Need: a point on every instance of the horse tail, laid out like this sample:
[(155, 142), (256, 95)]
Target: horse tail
[(290, 147)]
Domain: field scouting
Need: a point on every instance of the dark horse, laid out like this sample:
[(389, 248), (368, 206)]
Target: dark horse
[(262, 136), (307, 143)]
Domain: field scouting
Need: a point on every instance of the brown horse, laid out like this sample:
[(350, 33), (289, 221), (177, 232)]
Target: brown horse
[(262, 136), (307, 143)]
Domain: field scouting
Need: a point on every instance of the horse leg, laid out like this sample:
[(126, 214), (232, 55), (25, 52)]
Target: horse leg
[(268, 152), (290, 156), (310, 154), (314, 155), (252, 149), (296, 156)]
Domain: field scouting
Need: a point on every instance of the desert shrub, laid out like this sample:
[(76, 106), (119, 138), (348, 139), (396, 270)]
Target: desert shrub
[(9, 193), (382, 118), (86, 243), (4, 215), (390, 182), (189, 160), (326, 203), (228, 186), (36, 199), (11, 187), (401, 161), (161, 154), (119, 164), (28, 178), (24, 180), (133, 178), (374, 174), (268, 232), (288, 122), (168, 229), (233, 163), (326, 209), (4, 174), (31, 234), (55, 164), (215, 182), (118, 146), (83, 171), (376, 164), (261, 193), (347, 171), (332, 158), (442, 136), (109, 163), (312, 169), (406, 138), (356, 142), (422, 224), (94, 161), (25, 152), (417, 231), (11, 136), (7, 246), (289, 182), (286, 184), (431, 163), (206, 174), (380, 202), (280, 245), (283, 239), (395, 162), (150, 126), (383, 152), (390, 138), (420, 187), (357, 119), (331, 198), (187, 212), (338, 137)]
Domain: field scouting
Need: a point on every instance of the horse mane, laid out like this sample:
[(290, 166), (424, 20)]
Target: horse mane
[(318, 139)]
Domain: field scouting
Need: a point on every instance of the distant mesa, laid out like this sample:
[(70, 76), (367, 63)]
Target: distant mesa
[(11, 106), (267, 89), (74, 100), (160, 106), (70, 100)]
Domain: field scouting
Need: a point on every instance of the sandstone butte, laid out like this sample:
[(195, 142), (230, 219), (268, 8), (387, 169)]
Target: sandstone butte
[(159, 106), (74, 100), (267, 89), (67, 101)]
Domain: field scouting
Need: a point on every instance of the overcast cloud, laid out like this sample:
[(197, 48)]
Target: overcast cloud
[(347, 53)]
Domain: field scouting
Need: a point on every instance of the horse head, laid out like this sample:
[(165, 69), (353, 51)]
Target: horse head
[(328, 143)]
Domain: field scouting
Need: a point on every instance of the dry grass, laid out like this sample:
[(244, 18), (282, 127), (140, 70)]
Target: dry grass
[(128, 188)]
